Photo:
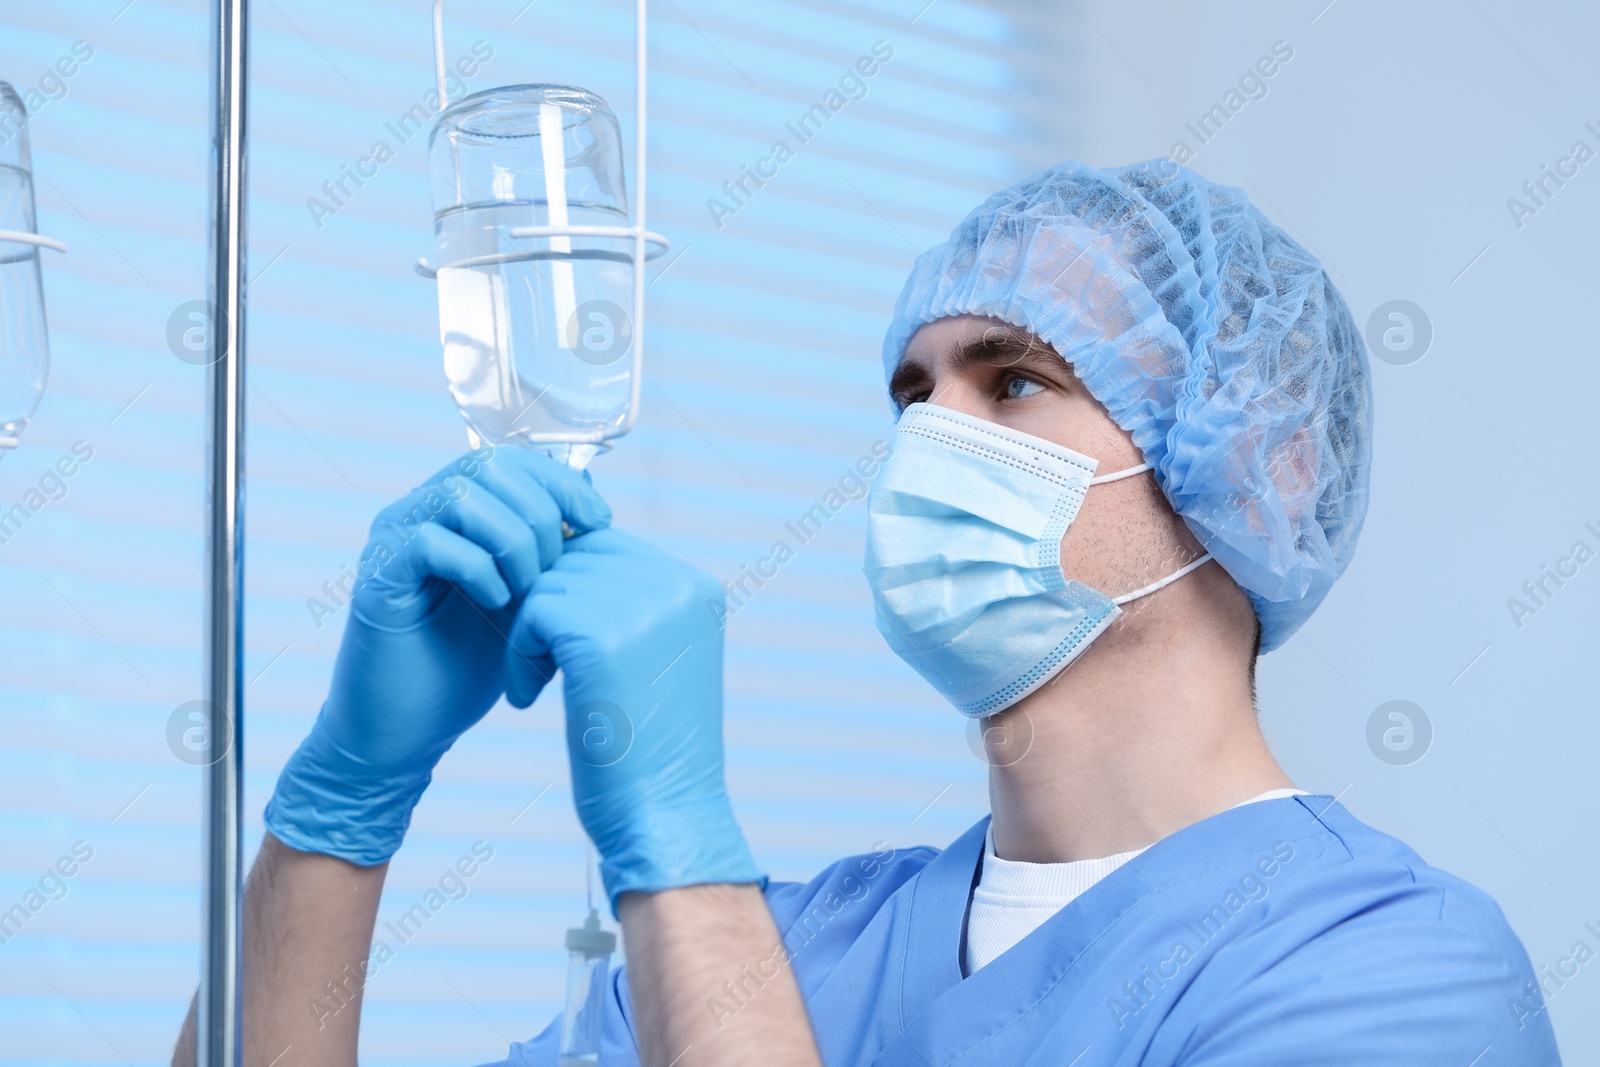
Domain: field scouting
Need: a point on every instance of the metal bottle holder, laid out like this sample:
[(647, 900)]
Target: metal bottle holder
[(556, 245), (22, 237)]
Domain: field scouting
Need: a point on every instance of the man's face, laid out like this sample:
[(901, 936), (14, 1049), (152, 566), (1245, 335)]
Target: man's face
[(1126, 534), (1003, 374)]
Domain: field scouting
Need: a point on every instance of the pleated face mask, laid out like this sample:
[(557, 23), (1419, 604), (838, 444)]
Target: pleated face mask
[(964, 532)]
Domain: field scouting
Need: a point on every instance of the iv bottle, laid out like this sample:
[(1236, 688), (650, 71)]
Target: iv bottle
[(536, 330), (24, 341), (588, 969)]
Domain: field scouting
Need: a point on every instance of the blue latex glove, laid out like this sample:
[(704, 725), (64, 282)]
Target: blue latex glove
[(424, 651), (636, 636)]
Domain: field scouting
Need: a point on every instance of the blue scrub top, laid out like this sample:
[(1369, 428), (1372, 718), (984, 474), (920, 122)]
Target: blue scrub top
[(1278, 934)]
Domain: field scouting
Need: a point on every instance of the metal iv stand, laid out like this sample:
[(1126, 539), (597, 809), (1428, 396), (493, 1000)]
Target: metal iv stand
[(217, 1032)]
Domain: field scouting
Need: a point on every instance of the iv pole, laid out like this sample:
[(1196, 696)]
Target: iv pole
[(218, 1017)]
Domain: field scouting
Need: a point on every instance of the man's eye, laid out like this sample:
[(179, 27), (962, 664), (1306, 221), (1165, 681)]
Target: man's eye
[(1018, 387), (905, 400)]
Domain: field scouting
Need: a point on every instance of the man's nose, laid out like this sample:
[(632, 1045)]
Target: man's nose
[(959, 395)]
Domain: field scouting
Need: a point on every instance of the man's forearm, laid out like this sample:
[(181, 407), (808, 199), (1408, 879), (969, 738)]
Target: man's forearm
[(308, 924), (686, 948)]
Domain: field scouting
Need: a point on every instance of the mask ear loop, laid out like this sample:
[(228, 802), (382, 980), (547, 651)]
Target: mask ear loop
[(1117, 476), (1163, 582), (1160, 583)]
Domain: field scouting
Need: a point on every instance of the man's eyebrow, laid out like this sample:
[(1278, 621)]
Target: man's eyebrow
[(1000, 346), (1008, 347), (907, 376)]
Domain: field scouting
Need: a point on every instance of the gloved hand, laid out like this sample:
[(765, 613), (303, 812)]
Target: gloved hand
[(636, 636), (424, 650)]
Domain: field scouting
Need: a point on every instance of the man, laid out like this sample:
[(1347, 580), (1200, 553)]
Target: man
[(1134, 442)]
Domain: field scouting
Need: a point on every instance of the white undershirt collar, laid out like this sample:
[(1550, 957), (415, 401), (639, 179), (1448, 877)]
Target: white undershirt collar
[(1014, 898)]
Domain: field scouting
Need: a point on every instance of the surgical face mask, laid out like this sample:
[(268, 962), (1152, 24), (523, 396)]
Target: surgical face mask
[(964, 534)]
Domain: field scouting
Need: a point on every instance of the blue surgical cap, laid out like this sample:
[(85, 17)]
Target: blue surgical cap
[(1210, 336)]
